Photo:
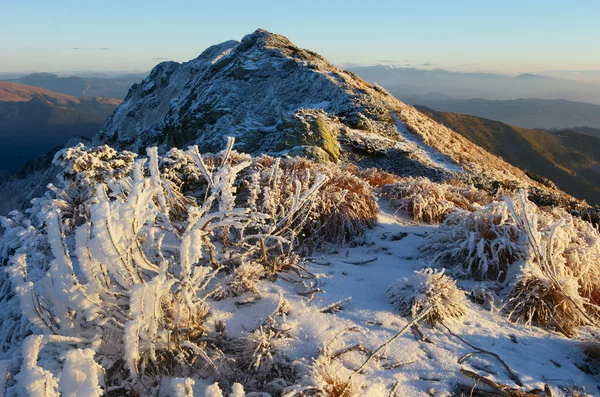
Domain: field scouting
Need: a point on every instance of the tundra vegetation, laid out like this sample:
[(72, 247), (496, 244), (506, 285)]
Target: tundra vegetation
[(122, 279)]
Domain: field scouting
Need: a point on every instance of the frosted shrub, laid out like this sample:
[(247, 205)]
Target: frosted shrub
[(129, 285), (93, 165), (538, 300), (482, 244), (430, 202), (556, 287), (546, 258), (20, 236), (344, 207), (430, 290), (330, 379)]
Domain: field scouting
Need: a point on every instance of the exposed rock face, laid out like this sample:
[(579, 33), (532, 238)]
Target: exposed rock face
[(273, 97)]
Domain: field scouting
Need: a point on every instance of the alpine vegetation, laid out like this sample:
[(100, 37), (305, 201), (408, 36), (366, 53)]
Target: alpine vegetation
[(160, 264), (428, 291), (482, 244), (430, 202), (117, 266), (545, 259)]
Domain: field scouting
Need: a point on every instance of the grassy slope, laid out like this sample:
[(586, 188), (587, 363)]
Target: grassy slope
[(569, 158)]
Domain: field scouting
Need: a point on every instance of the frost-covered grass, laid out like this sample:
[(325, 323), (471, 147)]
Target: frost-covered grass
[(344, 208), (122, 273), (545, 259), (482, 244), (431, 291), (430, 202), (182, 274)]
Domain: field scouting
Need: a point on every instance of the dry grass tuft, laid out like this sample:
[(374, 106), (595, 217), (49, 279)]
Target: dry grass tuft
[(480, 245), (431, 202), (428, 289), (374, 176), (538, 301)]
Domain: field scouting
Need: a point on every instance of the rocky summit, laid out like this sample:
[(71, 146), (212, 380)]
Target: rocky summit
[(279, 99)]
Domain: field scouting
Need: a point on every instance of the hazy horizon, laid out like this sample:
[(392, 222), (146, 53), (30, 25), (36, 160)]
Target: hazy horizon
[(592, 76), (511, 38)]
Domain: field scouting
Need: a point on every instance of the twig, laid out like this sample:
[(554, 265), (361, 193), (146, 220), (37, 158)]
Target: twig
[(420, 335), (363, 262), (337, 337), (354, 348), (466, 390), (479, 350), (380, 348), (503, 390), (488, 382), (474, 387), (335, 306), (393, 392), (398, 365)]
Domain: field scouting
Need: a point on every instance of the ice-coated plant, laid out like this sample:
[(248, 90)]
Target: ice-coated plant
[(126, 286), (430, 290), (430, 202), (557, 286), (483, 244)]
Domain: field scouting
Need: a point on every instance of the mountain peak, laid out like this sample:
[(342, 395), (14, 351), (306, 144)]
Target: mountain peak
[(277, 98), (531, 76)]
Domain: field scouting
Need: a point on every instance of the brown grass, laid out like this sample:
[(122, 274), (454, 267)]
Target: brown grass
[(429, 202), (374, 176), (533, 301)]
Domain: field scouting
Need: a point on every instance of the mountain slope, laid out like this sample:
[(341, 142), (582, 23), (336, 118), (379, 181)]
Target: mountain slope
[(34, 120), (583, 129), (569, 158), (114, 87), (526, 113), (275, 97)]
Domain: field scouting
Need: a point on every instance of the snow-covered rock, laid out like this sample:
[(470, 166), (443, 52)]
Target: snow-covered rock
[(275, 97)]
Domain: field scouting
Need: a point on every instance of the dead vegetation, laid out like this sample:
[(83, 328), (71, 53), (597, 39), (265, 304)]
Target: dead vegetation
[(546, 259), (482, 244), (431, 290), (430, 202)]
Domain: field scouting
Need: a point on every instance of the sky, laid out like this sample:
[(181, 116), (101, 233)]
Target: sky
[(131, 35)]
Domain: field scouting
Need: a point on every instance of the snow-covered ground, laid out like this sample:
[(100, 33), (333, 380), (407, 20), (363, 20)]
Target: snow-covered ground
[(359, 277)]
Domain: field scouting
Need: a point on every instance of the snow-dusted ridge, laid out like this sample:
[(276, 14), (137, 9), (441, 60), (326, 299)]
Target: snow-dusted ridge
[(277, 98)]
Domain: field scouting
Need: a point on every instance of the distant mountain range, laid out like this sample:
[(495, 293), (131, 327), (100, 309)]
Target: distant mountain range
[(584, 130), (526, 113), (569, 158), (409, 82), (33, 120), (110, 87)]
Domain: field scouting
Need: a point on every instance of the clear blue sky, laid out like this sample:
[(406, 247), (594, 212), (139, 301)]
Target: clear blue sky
[(503, 36)]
